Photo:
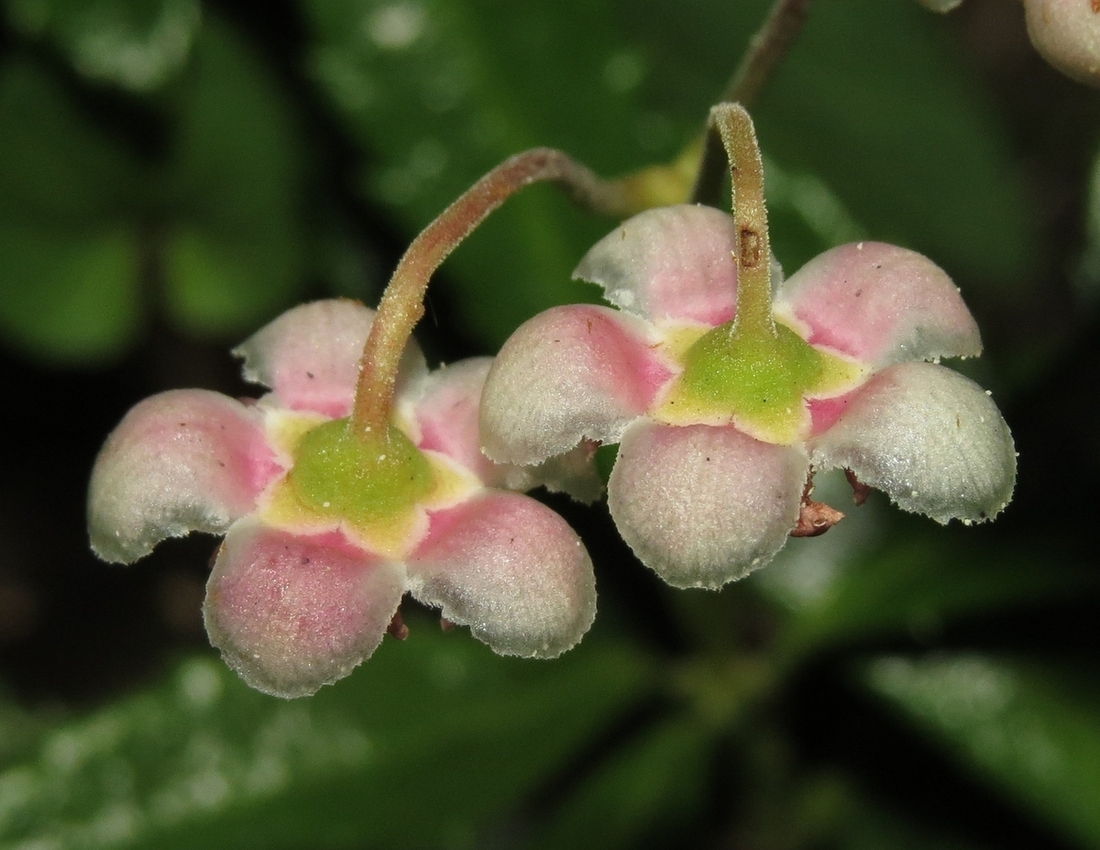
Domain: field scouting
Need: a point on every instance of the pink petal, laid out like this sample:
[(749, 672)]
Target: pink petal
[(573, 472), (929, 438), (668, 263), (704, 505), (310, 355), (512, 570), (880, 304), (181, 461), (445, 407), (567, 374), (291, 613)]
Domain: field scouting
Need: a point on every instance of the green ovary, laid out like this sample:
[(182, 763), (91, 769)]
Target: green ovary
[(758, 379), (364, 479)]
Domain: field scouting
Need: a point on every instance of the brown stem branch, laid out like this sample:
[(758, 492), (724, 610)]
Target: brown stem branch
[(766, 50), (402, 303)]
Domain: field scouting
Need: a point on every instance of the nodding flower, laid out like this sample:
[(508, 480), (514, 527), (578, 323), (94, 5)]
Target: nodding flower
[(327, 528), (724, 393)]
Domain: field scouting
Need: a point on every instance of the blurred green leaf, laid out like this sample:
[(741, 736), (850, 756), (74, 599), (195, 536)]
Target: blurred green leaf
[(891, 129), (875, 119), (876, 103), (441, 92), (236, 254), (56, 166), (136, 44), (68, 260), (20, 732), (437, 724), (69, 296), (849, 589), (1032, 730), (652, 787)]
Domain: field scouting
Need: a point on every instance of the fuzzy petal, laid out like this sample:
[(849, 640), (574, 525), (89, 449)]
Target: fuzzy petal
[(668, 263), (512, 570), (181, 461), (573, 472), (704, 505), (310, 355), (880, 304), (291, 613), (569, 373), (444, 406), (928, 437), (1067, 34)]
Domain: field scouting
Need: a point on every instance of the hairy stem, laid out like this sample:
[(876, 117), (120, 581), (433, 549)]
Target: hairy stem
[(733, 126), (766, 50), (402, 303)]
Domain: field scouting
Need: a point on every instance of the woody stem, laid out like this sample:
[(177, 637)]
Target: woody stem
[(402, 303)]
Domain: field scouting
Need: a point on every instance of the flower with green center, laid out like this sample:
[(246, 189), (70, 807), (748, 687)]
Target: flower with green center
[(327, 525), (722, 394)]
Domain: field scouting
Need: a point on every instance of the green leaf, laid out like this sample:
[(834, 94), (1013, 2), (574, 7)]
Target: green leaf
[(426, 745), (651, 787), (236, 254), (873, 575), (56, 166), (69, 296), (136, 44), (1031, 730), (890, 129), (916, 587), (441, 92), (875, 102), (68, 261)]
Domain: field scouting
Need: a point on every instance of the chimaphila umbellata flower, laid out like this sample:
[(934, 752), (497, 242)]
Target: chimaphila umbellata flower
[(723, 398), (358, 478), (326, 532)]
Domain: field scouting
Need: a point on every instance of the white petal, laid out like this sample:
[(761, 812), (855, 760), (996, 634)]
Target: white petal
[(704, 505), (1067, 34), (668, 263), (512, 570), (568, 374), (181, 461), (310, 356), (291, 613), (928, 437)]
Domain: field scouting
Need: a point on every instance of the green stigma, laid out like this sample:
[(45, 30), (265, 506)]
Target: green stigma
[(363, 479), (759, 380)]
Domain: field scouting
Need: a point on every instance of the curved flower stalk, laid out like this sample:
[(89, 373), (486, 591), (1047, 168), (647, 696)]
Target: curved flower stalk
[(724, 399), (1065, 32), (358, 478)]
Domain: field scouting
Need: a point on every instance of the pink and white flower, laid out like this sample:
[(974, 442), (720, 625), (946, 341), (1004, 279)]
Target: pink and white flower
[(313, 569), (705, 491)]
